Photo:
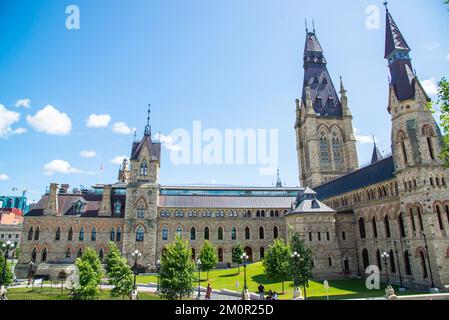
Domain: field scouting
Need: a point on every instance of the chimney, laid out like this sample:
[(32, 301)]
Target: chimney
[(105, 210), (64, 188), (51, 209)]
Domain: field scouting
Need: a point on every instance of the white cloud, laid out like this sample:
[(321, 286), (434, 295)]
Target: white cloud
[(24, 103), (59, 166), (3, 177), (51, 121), (362, 139), (7, 118), (88, 154), (122, 128), (430, 86), (447, 57), (167, 142), (118, 160), (98, 121), (19, 131), (432, 46)]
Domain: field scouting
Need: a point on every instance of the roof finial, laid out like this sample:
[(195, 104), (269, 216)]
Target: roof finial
[(148, 127), (374, 139), (386, 5), (135, 135), (313, 24), (307, 27)]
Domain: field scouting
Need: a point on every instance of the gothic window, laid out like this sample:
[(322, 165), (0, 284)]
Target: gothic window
[(362, 228), (44, 255), (164, 234), (140, 234), (234, 233), (30, 234), (275, 233), (81, 235), (421, 225), (408, 269), (112, 238), (387, 227), (330, 102), (324, 82), (220, 255), (179, 232), (379, 260), (365, 258), (117, 208), (392, 262), (316, 81), (319, 102), (440, 218), (319, 236), (337, 150), (79, 207), (247, 234), (428, 133), (262, 253), (401, 138), (70, 235), (258, 214), (220, 233), (324, 149), (80, 253), (401, 225), (68, 253), (144, 168), (58, 234), (422, 258), (34, 255), (330, 262), (37, 234), (261, 233), (94, 235), (141, 211), (262, 214), (101, 254), (193, 255), (193, 234), (206, 233), (447, 213), (412, 219), (119, 234), (374, 227)]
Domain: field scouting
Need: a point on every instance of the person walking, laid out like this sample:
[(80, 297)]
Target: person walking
[(261, 292), (208, 292)]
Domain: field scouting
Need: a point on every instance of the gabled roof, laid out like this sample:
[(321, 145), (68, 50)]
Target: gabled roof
[(394, 39), (154, 149), (307, 202)]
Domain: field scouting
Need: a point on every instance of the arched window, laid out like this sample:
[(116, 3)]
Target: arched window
[(37, 234), (337, 149), (261, 233), (30, 234), (374, 227), (262, 253), (220, 254), (262, 214), (117, 207), (101, 254), (324, 149), (258, 214), (141, 211), (193, 234), (275, 232), (144, 168), (447, 212), (408, 269), (94, 234), (234, 233), (422, 258), (164, 233), (330, 262), (392, 262), (68, 253), (112, 238), (362, 228), (34, 255), (401, 138), (365, 258), (58, 234), (421, 225), (140, 234), (428, 133), (401, 225), (206, 233), (439, 217), (70, 235), (247, 233), (193, 255), (119, 235), (179, 232), (379, 260), (387, 226), (80, 253), (81, 235), (220, 233), (249, 253), (412, 219), (44, 255)]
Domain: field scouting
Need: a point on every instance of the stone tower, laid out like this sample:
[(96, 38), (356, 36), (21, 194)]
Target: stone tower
[(142, 200), (326, 144), (416, 144)]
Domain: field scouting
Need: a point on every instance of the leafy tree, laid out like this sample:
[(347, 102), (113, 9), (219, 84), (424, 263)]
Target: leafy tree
[(9, 276), (443, 104), (119, 272), (90, 274), (277, 262), (208, 257), (300, 268), (177, 271), (237, 253)]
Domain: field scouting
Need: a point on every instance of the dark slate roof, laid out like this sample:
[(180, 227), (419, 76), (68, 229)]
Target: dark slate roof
[(317, 78), (377, 156), (307, 202), (394, 39), (375, 173), (155, 148)]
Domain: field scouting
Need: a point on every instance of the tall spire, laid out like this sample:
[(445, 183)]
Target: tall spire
[(148, 127), (278, 181), (377, 156), (397, 52)]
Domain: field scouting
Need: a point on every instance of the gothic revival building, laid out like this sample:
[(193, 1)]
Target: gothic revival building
[(398, 204)]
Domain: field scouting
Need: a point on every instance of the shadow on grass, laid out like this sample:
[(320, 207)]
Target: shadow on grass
[(230, 275)]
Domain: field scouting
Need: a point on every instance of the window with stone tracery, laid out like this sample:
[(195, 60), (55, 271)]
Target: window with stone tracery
[(324, 149), (337, 149)]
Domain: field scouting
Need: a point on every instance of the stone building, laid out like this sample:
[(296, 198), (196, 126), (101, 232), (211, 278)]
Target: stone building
[(11, 225), (398, 204)]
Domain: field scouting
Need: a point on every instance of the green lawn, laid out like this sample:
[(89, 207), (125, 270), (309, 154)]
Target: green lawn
[(227, 279), (57, 294)]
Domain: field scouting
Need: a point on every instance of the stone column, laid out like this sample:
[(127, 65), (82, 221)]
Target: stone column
[(51, 207), (105, 209)]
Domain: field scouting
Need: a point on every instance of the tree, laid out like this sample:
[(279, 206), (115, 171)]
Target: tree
[(9, 276), (300, 268), (90, 274), (177, 270), (237, 253), (208, 257), (277, 262), (119, 272), (443, 104)]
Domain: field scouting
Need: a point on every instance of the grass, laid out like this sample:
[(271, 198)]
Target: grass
[(338, 289)]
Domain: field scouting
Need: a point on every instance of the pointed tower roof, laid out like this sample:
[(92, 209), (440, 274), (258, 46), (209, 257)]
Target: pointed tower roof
[(323, 95), (394, 39), (278, 181), (138, 146), (377, 156)]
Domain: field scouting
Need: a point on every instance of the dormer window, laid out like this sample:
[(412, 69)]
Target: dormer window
[(144, 168), (316, 81), (324, 81), (330, 102), (79, 206), (117, 207), (319, 102)]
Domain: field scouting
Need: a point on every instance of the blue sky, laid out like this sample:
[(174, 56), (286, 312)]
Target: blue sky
[(230, 64)]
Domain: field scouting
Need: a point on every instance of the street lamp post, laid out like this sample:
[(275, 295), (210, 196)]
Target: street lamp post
[(428, 258), (198, 263), (399, 266), (244, 259), (295, 257), (386, 256), (8, 246), (136, 255), (158, 269)]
